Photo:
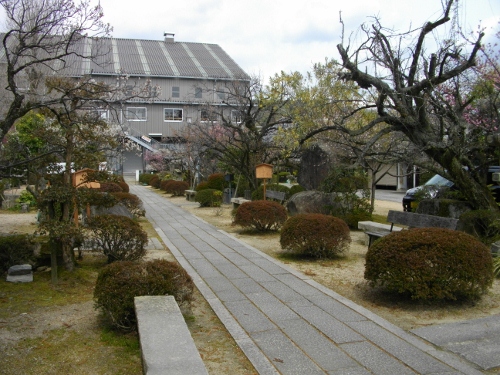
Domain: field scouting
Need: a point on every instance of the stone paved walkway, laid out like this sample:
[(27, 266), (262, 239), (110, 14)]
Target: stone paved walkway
[(283, 321)]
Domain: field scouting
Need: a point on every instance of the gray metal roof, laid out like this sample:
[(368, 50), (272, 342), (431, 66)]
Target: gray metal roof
[(137, 57)]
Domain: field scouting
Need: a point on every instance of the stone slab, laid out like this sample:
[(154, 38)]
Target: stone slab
[(166, 343), (20, 269)]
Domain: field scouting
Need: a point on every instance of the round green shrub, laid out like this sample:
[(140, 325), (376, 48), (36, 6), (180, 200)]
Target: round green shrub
[(260, 215), (430, 264), (296, 189), (209, 198), (315, 235), (118, 237), (144, 178), (118, 283), (176, 188)]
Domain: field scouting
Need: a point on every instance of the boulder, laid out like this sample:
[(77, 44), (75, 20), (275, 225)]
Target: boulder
[(312, 202)]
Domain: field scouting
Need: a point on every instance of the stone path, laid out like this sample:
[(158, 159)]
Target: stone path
[(283, 321)]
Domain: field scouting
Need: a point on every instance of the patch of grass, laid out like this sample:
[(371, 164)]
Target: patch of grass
[(65, 351), (74, 287), (127, 341), (382, 219)]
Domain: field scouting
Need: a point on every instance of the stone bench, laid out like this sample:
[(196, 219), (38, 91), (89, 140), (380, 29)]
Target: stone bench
[(373, 226), (190, 194), (166, 343), (238, 201), (409, 219)]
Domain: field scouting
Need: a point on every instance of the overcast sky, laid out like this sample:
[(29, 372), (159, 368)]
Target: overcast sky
[(267, 36)]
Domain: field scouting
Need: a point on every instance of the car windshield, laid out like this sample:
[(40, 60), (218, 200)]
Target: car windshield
[(438, 180)]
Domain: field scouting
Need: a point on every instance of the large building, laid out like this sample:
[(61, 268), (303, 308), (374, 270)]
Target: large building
[(182, 79)]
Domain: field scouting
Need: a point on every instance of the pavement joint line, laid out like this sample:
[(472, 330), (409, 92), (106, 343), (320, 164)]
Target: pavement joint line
[(250, 348)]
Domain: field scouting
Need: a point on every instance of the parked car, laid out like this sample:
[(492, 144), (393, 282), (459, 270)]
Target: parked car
[(437, 185)]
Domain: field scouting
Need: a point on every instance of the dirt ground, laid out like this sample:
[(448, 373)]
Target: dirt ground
[(221, 355), (345, 275)]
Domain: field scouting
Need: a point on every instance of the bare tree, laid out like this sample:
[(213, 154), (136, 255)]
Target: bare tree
[(238, 135), (424, 96)]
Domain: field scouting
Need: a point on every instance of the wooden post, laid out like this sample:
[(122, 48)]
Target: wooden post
[(265, 188)]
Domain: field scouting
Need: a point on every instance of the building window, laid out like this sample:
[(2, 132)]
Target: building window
[(136, 114), (197, 92), (172, 114), (236, 117), (176, 92), (208, 115)]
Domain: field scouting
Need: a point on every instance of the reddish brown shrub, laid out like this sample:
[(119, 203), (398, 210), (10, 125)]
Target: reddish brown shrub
[(430, 264), (155, 182), (315, 235), (163, 184), (110, 187), (176, 188), (261, 215), (203, 185), (118, 284), (132, 202), (124, 186)]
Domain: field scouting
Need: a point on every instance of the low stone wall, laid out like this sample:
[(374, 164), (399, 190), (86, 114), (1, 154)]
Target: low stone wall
[(166, 343)]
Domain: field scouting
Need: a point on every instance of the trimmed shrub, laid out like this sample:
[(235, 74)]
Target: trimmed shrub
[(118, 237), (176, 188), (118, 283), (216, 181), (144, 178), (124, 186), (296, 189), (203, 185), (260, 215), (163, 184), (132, 202), (16, 249), (155, 182), (315, 235), (110, 187), (209, 198), (483, 224), (259, 193), (430, 264)]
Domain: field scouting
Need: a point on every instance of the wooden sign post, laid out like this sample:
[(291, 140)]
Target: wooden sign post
[(264, 171)]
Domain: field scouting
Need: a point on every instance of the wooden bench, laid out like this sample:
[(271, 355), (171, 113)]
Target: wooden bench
[(278, 195), (190, 194), (412, 220)]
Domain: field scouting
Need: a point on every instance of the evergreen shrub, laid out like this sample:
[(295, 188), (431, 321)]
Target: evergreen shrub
[(260, 215), (483, 224), (209, 198), (16, 249), (430, 264), (118, 237), (144, 178), (203, 185), (118, 283), (315, 235), (296, 189)]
